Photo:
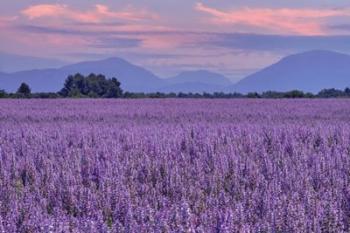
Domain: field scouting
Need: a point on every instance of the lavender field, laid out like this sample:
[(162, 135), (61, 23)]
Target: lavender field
[(175, 166)]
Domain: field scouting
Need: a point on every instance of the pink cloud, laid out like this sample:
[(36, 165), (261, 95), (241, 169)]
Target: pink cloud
[(285, 20), (98, 14), (6, 21)]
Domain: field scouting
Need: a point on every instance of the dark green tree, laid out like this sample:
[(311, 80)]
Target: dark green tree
[(294, 94), (331, 93), (3, 93), (24, 90), (253, 95), (272, 94), (93, 86), (113, 90), (347, 91)]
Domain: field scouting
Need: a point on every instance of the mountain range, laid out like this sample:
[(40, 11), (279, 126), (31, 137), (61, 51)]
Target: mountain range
[(310, 71), (133, 78)]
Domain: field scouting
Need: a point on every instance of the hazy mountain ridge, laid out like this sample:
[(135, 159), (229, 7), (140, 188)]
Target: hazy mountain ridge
[(196, 81), (309, 71)]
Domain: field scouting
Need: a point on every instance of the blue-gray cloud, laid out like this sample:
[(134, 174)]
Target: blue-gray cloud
[(251, 42), (116, 43), (343, 27), (276, 42)]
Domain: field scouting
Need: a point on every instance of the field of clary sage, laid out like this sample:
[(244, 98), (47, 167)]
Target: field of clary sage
[(174, 165)]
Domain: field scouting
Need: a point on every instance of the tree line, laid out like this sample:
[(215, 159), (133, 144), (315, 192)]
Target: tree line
[(75, 86), (98, 86)]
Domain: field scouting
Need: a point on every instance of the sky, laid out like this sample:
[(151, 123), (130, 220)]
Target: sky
[(234, 38)]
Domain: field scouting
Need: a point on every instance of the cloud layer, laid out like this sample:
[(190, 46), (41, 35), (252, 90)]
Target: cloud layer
[(282, 21), (99, 14)]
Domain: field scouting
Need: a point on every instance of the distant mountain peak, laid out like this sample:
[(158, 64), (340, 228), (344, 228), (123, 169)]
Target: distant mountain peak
[(196, 81), (321, 52), (106, 62), (114, 60), (315, 54), (308, 71)]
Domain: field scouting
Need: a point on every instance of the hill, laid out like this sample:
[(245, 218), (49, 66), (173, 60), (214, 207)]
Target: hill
[(196, 82), (310, 71)]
